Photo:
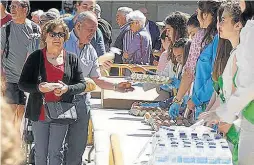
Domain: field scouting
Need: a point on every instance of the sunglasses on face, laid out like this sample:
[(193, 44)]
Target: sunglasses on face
[(59, 35)]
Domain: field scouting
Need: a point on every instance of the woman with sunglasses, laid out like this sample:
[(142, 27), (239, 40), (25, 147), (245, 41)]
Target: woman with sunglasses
[(61, 79), (200, 60)]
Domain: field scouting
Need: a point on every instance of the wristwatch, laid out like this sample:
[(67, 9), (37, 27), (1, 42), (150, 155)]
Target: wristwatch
[(175, 100)]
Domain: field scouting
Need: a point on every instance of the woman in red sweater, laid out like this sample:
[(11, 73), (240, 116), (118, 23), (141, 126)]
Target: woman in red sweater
[(61, 79)]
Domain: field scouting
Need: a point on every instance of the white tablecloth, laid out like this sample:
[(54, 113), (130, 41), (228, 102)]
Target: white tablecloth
[(132, 133)]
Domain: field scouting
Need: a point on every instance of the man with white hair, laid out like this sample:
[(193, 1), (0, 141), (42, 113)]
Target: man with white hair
[(79, 43), (120, 42), (139, 49)]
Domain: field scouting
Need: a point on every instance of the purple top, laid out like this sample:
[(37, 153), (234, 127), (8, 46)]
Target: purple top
[(140, 48)]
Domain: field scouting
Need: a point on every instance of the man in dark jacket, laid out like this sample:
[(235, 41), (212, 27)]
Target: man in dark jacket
[(105, 28), (154, 31), (121, 20)]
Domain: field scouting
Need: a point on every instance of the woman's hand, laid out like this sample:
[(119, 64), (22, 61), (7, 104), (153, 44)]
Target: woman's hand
[(107, 65), (191, 105), (60, 91), (125, 55), (155, 63), (90, 85), (224, 127), (124, 87), (45, 87)]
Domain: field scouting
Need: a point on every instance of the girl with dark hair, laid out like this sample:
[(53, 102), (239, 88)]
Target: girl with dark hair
[(241, 101), (200, 60), (175, 28), (225, 67), (247, 10), (193, 25), (181, 51)]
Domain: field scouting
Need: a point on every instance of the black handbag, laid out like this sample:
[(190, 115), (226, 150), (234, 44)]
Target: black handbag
[(58, 112)]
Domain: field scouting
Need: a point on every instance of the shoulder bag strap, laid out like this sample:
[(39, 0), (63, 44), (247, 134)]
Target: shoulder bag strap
[(39, 75), (7, 44)]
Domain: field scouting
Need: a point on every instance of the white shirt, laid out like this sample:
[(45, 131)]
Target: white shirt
[(168, 71), (147, 28), (244, 78)]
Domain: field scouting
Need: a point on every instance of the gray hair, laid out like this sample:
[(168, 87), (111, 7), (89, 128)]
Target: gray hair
[(37, 12), (25, 4), (137, 16), (54, 10), (49, 16), (98, 10), (86, 15), (125, 10)]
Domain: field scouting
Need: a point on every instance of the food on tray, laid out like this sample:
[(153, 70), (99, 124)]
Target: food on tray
[(149, 78)]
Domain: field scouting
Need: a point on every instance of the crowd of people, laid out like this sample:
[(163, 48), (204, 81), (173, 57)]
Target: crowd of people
[(53, 57)]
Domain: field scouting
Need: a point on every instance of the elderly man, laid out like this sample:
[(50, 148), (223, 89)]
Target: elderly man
[(121, 40), (97, 41), (85, 26), (139, 50), (15, 37)]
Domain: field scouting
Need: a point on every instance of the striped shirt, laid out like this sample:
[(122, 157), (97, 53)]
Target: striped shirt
[(128, 37)]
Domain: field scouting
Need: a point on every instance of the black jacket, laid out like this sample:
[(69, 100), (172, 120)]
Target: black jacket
[(106, 30), (155, 35), (29, 81)]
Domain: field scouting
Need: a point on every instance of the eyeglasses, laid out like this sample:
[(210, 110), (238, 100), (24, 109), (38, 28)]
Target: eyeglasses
[(59, 35), (14, 6)]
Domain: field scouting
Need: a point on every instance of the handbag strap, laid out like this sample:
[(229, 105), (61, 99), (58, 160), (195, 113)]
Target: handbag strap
[(40, 77)]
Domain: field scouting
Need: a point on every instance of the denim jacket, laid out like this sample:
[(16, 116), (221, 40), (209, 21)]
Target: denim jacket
[(203, 84)]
